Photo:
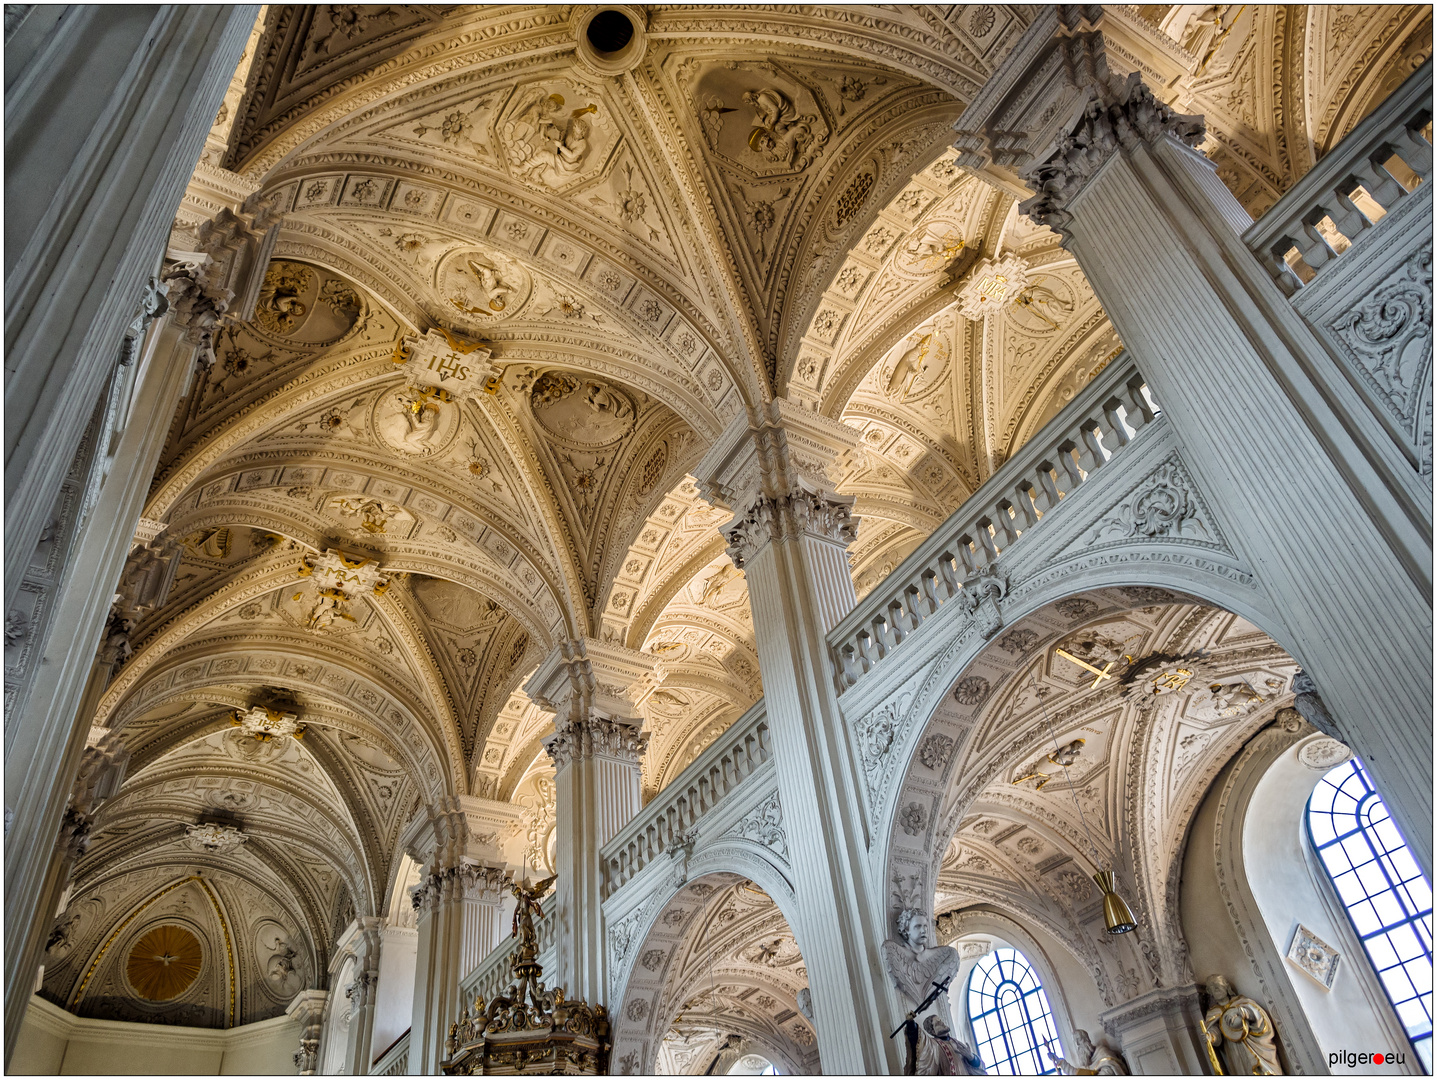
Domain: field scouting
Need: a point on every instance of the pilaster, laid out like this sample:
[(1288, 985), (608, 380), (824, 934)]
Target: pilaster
[(308, 1008), (789, 533), (1258, 404), (1158, 1032), (597, 748), (457, 909)]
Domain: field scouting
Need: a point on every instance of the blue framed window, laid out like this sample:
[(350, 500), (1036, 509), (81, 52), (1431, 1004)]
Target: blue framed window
[(1012, 1020), (1386, 896)]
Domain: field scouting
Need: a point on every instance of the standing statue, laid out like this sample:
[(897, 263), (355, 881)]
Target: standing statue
[(1090, 1060), (1244, 1031), (922, 974)]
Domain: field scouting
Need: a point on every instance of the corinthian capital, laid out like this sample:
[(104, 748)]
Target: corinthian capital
[(196, 303), (800, 513), (1122, 119), (577, 738)]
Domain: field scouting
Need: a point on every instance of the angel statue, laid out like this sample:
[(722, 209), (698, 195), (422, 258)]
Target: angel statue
[(921, 973), (526, 910), (1238, 1033), (1089, 1060)]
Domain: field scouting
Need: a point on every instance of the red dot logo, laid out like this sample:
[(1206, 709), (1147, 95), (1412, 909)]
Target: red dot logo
[(1378, 1059)]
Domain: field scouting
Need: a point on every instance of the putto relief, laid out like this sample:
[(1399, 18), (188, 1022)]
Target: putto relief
[(759, 118), (581, 411), (479, 287), (556, 134)]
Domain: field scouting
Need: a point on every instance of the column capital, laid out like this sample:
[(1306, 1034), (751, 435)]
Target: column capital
[(197, 304), (307, 1006), (455, 884), (1071, 92), (595, 736), (584, 674)]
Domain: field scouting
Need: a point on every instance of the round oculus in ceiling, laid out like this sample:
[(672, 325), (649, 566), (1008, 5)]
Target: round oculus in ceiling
[(609, 31)]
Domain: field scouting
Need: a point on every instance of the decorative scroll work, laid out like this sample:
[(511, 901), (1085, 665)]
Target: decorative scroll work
[(595, 735), (788, 517), (1113, 120), (764, 825)]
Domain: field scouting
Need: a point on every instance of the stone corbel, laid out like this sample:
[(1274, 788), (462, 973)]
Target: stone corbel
[(241, 245), (307, 1007), (1310, 707), (437, 835)]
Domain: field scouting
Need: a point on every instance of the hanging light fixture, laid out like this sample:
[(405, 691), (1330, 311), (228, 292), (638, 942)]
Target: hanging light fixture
[(1117, 916)]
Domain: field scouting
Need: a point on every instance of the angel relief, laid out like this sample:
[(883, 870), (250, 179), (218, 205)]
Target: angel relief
[(780, 133), (546, 140)]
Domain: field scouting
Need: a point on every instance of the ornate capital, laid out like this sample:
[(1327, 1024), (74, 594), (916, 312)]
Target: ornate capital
[(595, 736), (196, 304), (586, 674), (1121, 119), (801, 513), (456, 884), (74, 838), (361, 990)]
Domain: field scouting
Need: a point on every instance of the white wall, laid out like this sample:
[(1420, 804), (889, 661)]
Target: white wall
[(53, 1041), (394, 1004)]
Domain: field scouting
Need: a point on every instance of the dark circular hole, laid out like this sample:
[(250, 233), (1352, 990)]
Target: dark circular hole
[(609, 31)]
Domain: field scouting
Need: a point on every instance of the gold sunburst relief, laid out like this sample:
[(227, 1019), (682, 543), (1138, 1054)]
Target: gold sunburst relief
[(164, 962)]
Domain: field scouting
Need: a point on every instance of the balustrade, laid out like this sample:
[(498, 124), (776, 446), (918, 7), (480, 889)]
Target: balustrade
[(663, 823), (1098, 424), (1362, 160), (492, 975), (395, 1060)]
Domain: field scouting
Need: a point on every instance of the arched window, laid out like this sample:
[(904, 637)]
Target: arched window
[(1380, 884), (1012, 1020)]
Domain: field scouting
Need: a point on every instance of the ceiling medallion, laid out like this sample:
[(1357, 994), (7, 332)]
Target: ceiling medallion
[(338, 579), (265, 723), (582, 412), (212, 837), (481, 287), (442, 367), (990, 285), (164, 963)]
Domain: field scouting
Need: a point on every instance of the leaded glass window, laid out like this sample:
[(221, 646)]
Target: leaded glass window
[(1012, 1021), (1386, 896)]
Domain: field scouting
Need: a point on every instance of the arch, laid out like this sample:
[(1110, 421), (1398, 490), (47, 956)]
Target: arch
[(924, 706), (646, 942)]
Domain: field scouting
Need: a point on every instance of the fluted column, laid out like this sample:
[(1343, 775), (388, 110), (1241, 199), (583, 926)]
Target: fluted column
[(1311, 492), (597, 749), (364, 942), (789, 534), (456, 905)]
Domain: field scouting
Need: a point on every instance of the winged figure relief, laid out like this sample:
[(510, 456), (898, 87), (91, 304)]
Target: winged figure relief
[(543, 141), (780, 133)]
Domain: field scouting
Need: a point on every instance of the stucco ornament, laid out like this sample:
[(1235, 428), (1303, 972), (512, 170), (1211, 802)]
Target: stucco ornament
[(443, 361), (265, 723), (214, 838)]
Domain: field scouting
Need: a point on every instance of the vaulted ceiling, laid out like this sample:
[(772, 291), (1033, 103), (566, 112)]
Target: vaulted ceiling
[(757, 202)]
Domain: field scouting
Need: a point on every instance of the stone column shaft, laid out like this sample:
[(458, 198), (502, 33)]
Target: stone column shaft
[(790, 535)]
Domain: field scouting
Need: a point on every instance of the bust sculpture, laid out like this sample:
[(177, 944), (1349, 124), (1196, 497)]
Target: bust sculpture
[(1239, 1034)]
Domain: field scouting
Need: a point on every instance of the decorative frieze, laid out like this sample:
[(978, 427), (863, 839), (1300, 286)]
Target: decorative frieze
[(456, 884)]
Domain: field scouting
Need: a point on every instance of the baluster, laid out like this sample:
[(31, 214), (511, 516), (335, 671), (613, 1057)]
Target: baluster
[(880, 636), (1115, 434), (1315, 250), (1384, 188), (1007, 526), (1071, 477), (1412, 145), (848, 665), (985, 538), (866, 655), (1046, 495), (913, 602), (1275, 259), (1349, 220), (1090, 454), (951, 585), (895, 622), (964, 548), (1139, 413), (1028, 512), (930, 590)]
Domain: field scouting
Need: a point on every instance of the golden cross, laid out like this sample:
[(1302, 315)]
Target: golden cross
[(1101, 673)]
